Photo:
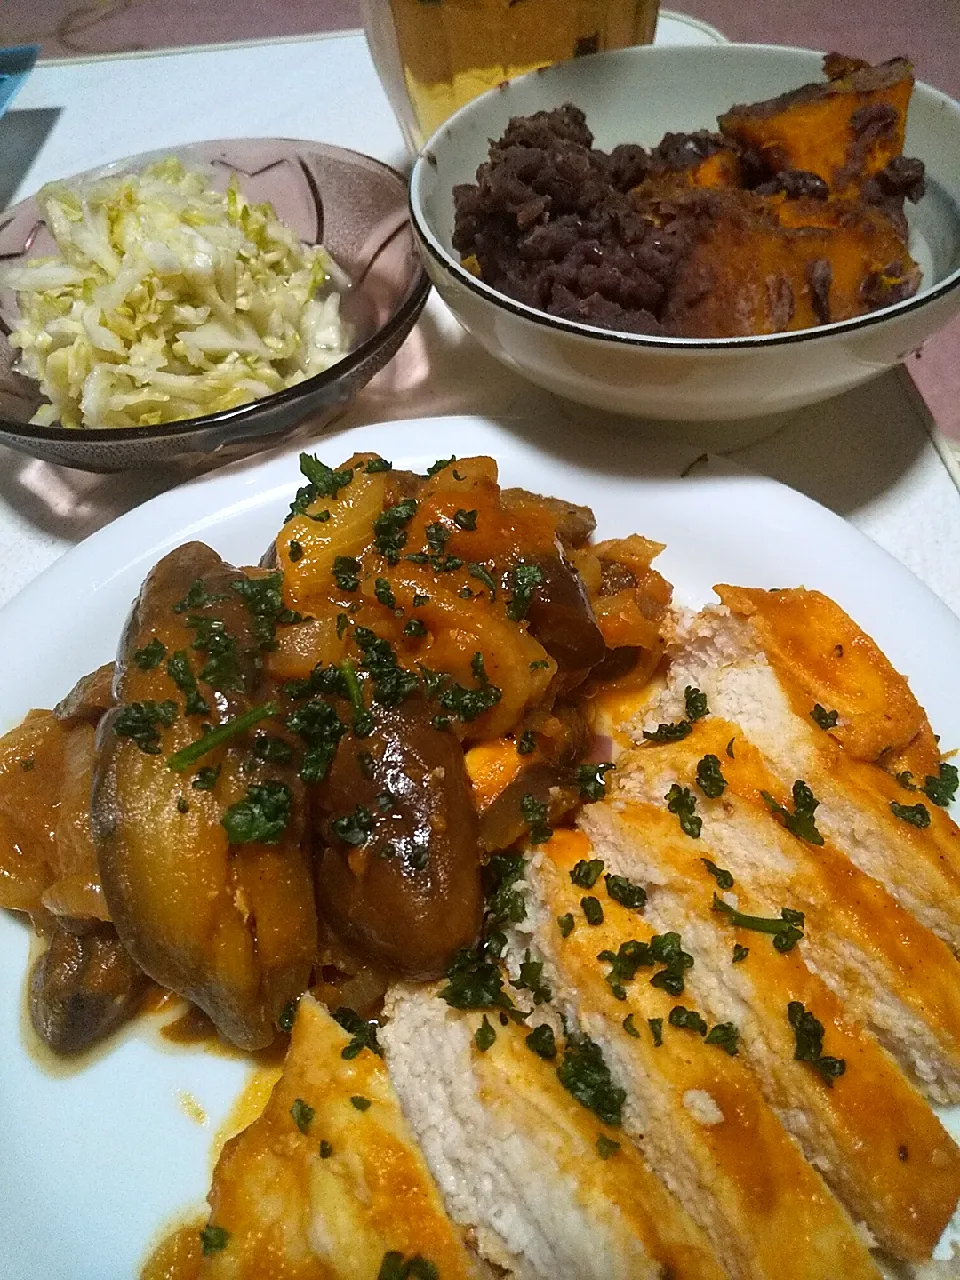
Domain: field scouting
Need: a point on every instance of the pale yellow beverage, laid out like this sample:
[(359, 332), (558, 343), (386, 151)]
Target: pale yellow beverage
[(435, 55)]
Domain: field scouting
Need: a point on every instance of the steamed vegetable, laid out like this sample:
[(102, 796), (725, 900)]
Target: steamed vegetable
[(169, 300)]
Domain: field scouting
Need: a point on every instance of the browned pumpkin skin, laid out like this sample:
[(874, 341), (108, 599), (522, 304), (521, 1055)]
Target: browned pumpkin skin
[(84, 986), (231, 927), (412, 909)]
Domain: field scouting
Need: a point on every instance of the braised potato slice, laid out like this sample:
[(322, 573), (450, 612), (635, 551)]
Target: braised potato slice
[(220, 911)]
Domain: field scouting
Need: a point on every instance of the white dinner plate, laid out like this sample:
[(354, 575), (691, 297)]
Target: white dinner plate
[(92, 1165)]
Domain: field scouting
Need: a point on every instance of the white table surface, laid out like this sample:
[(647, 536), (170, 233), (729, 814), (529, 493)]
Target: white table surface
[(868, 455)]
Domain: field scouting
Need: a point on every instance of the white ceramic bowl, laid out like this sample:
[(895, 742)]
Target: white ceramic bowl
[(637, 95)]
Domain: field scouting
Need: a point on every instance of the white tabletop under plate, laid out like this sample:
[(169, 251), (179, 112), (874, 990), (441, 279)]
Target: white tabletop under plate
[(872, 455)]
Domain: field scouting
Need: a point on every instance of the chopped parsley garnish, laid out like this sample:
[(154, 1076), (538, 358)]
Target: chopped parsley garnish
[(687, 1020), (526, 578), (624, 963), (354, 828), (343, 621), (389, 529), (535, 813), (205, 779), (419, 600), (606, 1147), (474, 982), (440, 464), (302, 1114), (942, 790), (323, 482), (526, 743), (362, 719), (479, 669), (669, 732), (629, 1027), (565, 924), (261, 816), (506, 904), (181, 673), (695, 702), (363, 1033), (346, 572), (295, 551), (591, 781), (222, 667), (592, 910), (918, 815), (326, 1150), (485, 1035), (414, 627), (197, 596), (469, 704), (801, 822), (787, 931), (482, 574), (808, 1031), (709, 778), (321, 679), (586, 872), (28, 763), (264, 600), (682, 802), (725, 1036), (540, 664), (288, 1016), (667, 949), (318, 724), (531, 979), (584, 1073), (271, 749), (151, 655), (437, 536), (182, 805), (624, 891), (394, 1267), (543, 1042), (723, 878), (384, 593), (361, 1103), (466, 520), (656, 1030), (740, 953), (138, 721), (213, 1240), (824, 718), (377, 464)]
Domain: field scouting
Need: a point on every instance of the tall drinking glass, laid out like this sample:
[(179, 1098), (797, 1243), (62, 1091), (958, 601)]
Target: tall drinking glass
[(435, 55)]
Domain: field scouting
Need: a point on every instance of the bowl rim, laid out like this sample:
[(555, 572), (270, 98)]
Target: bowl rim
[(411, 305), (432, 246)]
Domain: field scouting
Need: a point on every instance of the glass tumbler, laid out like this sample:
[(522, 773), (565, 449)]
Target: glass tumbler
[(435, 55)]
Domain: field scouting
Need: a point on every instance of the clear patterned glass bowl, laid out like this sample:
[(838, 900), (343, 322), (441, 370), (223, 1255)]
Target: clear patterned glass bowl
[(356, 206)]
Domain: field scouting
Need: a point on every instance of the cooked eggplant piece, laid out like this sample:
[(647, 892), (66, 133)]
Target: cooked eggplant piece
[(89, 698), (399, 874), (561, 618), (83, 987), (203, 869)]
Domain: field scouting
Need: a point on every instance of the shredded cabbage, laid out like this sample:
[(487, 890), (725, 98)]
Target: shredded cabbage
[(169, 300)]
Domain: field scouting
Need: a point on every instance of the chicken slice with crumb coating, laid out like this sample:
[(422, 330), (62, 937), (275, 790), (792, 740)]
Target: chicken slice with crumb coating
[(329, 1180), (550, 1191), (896, 835), (846, 1101), (696, 1112), (891, 972)]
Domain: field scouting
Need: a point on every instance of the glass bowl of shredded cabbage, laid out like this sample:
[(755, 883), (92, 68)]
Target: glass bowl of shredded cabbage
[(207, 299)]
